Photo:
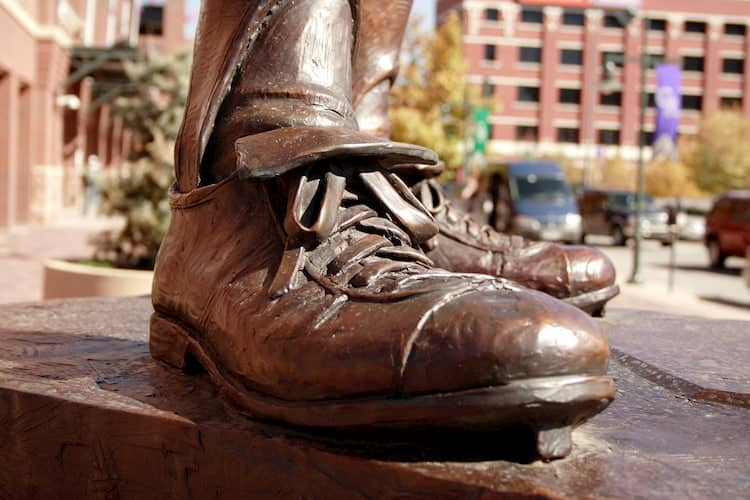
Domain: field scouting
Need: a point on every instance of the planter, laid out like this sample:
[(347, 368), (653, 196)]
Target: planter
[(63, 279)]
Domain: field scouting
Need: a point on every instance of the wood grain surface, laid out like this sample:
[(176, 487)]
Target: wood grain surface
[(86, 413)]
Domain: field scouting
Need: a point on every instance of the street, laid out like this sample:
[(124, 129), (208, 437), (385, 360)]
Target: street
[(692, 275)]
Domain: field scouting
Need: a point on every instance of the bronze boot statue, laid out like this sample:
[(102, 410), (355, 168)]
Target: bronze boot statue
[(292, 270), (579, 275)]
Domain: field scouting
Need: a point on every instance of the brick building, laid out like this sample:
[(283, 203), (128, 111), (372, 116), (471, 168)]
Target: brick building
[(55, 64), (544, 64)]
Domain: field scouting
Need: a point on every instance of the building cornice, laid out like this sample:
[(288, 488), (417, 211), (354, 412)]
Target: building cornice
[(37, 30)]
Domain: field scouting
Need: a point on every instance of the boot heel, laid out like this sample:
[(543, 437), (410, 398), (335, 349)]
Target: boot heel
[(168, 342)]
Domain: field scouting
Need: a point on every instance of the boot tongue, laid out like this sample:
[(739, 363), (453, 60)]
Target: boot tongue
[(315, 205)]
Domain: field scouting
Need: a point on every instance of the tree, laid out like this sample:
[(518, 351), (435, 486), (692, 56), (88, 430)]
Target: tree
[(615, 173), (430, 102), (152, 114), (573, 173), (719, 156), (670, 179)]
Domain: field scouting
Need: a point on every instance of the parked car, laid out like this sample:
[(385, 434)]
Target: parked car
[(612, 213), (533, 199), (728, 227), (693, 226)]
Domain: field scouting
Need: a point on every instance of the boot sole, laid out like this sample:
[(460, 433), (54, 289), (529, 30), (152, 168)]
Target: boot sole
[(551, 406), (594, 302)]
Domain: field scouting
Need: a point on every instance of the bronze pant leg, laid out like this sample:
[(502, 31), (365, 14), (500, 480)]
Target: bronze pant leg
[(227, 76), (376, 57), (297, 74)]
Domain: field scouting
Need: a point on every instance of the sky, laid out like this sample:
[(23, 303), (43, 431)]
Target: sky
[(426, 9)]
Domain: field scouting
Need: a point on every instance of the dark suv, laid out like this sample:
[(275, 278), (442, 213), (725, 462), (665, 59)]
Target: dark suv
[(612, 213), (728, 227)]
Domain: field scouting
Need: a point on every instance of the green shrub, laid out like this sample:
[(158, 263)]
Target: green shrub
[(152, 112)]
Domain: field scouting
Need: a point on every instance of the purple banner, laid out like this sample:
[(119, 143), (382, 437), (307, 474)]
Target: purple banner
[(668, 101)]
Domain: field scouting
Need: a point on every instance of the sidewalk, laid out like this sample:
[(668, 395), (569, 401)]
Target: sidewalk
[(656, 297), (23, 251)]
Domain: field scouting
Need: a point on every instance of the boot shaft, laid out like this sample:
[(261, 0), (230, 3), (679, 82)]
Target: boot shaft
[(209, 241)]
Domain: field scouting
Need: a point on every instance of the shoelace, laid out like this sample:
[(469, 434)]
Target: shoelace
[(352, 231), (430, 193), (466, 223)]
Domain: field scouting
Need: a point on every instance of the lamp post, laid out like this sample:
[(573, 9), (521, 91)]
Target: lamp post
[(645, 63), (635, 276)]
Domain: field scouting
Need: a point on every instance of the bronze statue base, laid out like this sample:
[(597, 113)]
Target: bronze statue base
[(85, 412)]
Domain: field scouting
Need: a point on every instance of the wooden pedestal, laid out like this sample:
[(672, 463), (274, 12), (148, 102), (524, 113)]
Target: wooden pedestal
[(86, 413)]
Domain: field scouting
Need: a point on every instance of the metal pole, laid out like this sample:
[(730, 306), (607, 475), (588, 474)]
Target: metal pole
[(590, 103), (672, 255), (674, 230), (635, 277)]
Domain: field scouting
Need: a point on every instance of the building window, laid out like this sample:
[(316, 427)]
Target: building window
[(694, 102), (152, 20), (610, 99), (733, 66), (695, 27), (612, 21), (733, 29), (533, 16), (608, 137), (731, 102), (572, 18), (573, 57), (657, 25), (616, 57), (650, 100), (492, 14), (692, 63), (565, 134), (569, 96), (530, 54), (527, 133), (488, 89), (655, 59), (528, 94), (489, 52)]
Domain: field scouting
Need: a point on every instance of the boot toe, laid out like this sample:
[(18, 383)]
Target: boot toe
[(488, 338), (589, 269)]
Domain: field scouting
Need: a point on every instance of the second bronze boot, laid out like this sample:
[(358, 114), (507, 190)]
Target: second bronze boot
[(579, 275)]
